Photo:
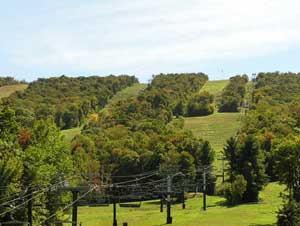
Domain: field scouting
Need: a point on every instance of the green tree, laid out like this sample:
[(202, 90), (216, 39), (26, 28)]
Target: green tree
[(289, 215), (251, 166), (231, 155), (44, 159), (9, 128), (234, 191), (287, 157), (205, 159)]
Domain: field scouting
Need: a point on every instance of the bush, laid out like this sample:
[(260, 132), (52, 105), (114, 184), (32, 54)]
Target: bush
[(289, 215), (200, 104), (234, 192)]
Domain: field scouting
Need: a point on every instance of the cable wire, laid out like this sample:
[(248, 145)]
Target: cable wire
[(71, 204)]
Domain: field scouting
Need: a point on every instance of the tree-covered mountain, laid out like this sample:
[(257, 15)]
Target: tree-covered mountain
[(67, 100), (140, 134)]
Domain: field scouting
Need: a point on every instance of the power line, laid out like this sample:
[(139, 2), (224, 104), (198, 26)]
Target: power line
[(22, 197), (71, 204), (40, 193)]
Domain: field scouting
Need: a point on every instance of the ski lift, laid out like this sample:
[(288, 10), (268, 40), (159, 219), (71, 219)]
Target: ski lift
[(14, 223), (130, 201), (98, 201)]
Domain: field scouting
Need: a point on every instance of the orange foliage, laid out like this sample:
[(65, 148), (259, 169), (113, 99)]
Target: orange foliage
[(24, 138)]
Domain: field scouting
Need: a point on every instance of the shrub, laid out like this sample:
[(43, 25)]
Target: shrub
[(234, 192)]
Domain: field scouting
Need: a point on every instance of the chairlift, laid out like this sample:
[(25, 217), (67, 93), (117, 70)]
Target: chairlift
[(99, 201), (14, 223), (130, 201), (67, 222)]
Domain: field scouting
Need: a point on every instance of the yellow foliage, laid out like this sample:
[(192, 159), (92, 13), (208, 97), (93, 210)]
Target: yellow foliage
[(95, 117)]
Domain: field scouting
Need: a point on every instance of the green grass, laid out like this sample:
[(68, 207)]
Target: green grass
[(69, 134), (214, 87), (127, 93), (215, 128), (259, 214), (6, 91)]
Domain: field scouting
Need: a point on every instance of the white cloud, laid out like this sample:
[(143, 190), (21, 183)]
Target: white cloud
[(147, 36)]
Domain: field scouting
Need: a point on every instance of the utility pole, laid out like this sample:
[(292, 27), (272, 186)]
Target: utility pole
[(204, 188), (115, 223), (169, 184), (29, 207), (183, 196), (75, 208), (161, 203)]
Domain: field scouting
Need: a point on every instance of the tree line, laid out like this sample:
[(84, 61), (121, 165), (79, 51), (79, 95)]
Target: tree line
[(233, 94), (8, 80), (68, 101)]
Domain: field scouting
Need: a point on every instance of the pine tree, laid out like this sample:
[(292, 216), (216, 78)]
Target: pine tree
[(251, 166), (231, 155)]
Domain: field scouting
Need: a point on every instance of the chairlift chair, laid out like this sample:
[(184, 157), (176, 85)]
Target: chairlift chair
[(99, 201), (14, 223), (130, 201)]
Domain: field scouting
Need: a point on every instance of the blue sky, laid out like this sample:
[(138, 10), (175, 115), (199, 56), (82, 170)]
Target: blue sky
[(143, 37)]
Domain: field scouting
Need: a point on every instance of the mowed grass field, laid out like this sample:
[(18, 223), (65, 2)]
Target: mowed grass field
[(69, 134), (217, 214), (6, 91), (127, 93), (215, 128), (214, 87)]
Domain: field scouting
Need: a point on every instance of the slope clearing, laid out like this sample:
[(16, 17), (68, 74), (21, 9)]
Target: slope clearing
[(127, 93), (215, 128), (215, 87), (69, 134), (6, 91), (261, 214), (218, 127)]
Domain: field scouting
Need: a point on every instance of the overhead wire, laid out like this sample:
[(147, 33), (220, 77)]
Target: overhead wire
[(40, 192), (70, 205)]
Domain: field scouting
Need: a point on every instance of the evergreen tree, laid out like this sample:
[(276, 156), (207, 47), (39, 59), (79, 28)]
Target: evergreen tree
[(251, 166), (289, 215), (231, 156), (206, 158)]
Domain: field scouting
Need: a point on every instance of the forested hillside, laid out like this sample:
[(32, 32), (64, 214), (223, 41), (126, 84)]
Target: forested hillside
[(138, 134), (143, 131), (275, 105), (66, 100)]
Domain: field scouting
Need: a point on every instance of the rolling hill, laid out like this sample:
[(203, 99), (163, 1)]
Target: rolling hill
[(6, 91)]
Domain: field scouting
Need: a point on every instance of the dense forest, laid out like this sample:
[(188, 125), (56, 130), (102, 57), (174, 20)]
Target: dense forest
[(140, 134), (66, 100), (274, 119), (146, 132), (133, 136)]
